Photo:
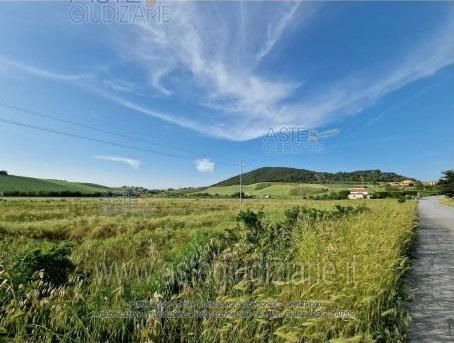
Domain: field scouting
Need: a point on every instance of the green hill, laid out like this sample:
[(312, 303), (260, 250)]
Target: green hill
[(22, 186), (293, 175)]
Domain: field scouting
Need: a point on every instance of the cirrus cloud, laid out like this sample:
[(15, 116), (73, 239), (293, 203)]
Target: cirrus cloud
[(206, 70), (135, 164)]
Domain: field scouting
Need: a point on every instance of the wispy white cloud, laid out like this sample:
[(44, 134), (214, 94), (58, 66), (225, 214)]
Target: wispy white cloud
[(242, 104), (274, 32), (211, 56), (40, 71), (156, 78), (128, 161), (263, 105), (170, 118), (204, 165), (119, 86), (198, 43)]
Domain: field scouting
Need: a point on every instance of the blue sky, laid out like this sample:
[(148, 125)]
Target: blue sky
[(197, 86)]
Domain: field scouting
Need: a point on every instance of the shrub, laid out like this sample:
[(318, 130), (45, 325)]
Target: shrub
[(250, 219), (253, 221), (54, 262), (237, 195)]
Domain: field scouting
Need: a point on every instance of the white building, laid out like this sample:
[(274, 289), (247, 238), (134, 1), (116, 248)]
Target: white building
[(358, 193)]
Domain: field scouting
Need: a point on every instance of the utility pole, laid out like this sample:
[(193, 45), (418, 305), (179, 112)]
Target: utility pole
[(241, 182)]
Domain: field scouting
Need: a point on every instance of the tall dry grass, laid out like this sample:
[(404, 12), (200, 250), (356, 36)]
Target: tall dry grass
[(333, 259)]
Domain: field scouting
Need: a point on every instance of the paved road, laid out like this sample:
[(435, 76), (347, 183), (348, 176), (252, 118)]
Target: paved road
[(432, 278)]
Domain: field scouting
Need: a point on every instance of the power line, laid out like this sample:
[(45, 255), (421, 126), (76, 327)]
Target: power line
[(71, 122), (97, 140)]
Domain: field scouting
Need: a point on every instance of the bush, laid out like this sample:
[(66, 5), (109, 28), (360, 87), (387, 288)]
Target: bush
[(54, 262), (243, 195), (381, 195), (394, 194), (253, 221)]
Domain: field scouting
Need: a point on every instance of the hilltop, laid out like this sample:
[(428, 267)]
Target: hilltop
[(294, 175)]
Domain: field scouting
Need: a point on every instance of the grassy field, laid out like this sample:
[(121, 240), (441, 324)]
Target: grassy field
[(289, 271), (13, 183), (279, 190)]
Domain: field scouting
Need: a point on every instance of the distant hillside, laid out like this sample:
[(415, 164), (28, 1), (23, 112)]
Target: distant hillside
[(22, 186), (293, 175)]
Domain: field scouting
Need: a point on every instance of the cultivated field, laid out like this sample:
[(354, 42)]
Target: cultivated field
[(280, 270), (281, 190)]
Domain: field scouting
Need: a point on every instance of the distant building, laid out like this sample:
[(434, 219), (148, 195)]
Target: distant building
[(403, 183), (429, 183), (407, 183), (358, 193)]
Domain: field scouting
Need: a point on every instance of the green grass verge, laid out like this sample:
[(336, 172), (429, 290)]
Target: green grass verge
[(447, 201)]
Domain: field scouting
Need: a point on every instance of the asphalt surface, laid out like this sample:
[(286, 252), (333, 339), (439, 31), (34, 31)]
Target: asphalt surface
[(432, 277)]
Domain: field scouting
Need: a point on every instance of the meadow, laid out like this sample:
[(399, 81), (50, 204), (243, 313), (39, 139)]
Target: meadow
[(272, 270), (27, 185), (279, 190)]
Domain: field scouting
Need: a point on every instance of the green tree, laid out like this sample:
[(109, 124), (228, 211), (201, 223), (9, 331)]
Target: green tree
[(447, 183)]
